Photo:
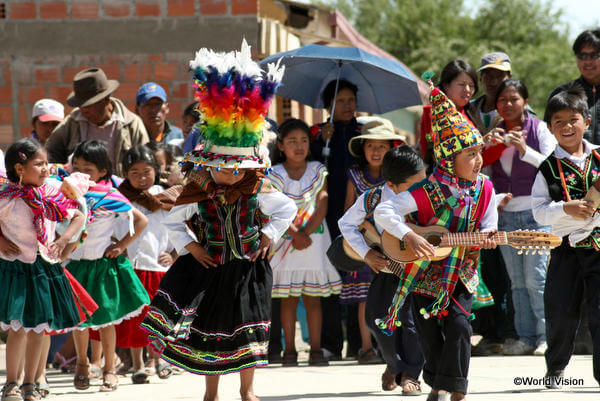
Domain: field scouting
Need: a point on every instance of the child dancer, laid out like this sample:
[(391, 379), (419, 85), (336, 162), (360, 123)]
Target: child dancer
[(101, 266), (211, 312), (574, 270), (37, 294), (299, 268), (369, 149), (526, 143), (401, 168), (461, 199), (150, 253)]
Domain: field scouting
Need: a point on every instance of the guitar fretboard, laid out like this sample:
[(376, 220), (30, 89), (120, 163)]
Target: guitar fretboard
[(471, 238)]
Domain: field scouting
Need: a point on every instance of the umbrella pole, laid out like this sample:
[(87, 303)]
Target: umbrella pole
[(326, 149)]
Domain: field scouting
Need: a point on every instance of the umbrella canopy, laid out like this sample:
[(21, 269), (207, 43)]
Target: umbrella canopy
[(383, 84)]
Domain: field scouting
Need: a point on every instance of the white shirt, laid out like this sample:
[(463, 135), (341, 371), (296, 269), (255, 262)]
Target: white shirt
[(16, 223), (354, 217), (143, 252), (280, 209), (2, 167), (547, 143), (550, 213), (99, 236), (390, 214)]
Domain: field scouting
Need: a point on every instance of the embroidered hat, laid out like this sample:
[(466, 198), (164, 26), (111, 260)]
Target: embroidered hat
[(377, 128), (451, 132), (233, 95)]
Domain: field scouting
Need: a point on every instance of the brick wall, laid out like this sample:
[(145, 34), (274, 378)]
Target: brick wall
[(25, 78)]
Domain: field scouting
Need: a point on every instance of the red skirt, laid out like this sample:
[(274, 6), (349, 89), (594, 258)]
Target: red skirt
[(85, 303), (129, 332)]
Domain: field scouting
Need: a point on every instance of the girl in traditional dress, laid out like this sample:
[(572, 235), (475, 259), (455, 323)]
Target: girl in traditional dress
[(369, 149), (151, 254), (299, 268), (37, 296), (100, 265), (211, 313)]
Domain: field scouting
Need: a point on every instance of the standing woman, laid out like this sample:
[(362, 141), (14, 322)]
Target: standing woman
[(527, 142), (339, 133), (458, 81)]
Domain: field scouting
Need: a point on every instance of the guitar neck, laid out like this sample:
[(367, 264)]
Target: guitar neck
[(471, 239)]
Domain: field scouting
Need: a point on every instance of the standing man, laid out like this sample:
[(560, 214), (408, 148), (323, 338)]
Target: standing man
[(97, 115), (587, 51), (495, 68), (152, 107)]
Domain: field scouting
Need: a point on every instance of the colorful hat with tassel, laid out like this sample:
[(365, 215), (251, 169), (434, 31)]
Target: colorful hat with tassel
[(451, 131), (233, 95)]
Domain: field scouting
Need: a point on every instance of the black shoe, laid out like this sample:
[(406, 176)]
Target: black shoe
[(554, 381), (274, 358), (317, 358)]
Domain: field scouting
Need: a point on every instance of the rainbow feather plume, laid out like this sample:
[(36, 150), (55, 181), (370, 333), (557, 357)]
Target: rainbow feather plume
[(233, 95)]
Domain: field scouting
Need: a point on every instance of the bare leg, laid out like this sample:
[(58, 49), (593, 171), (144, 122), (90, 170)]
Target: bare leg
[(137, 357), (108, 338), (40, 373), (81, 339), (457, 397), (96, 355), (247, 385), (288, 323), (212, 388), (365, 334), (33, 351), (314, 316), (15, 349)]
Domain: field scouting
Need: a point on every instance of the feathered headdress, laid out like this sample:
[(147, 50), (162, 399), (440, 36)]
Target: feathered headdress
[(233, 95)]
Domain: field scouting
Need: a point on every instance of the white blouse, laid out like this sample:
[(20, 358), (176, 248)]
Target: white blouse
[(154, 240), (16, 223), (280, 209), (100, 234)]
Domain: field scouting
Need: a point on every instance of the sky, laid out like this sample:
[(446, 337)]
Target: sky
[(579, 14)]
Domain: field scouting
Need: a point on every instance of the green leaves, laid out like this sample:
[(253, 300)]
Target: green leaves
[(427, 34)]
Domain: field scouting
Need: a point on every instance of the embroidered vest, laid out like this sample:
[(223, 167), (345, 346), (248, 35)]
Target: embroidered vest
[(433, 200), (577, 181), (522, 174), (230, 231)]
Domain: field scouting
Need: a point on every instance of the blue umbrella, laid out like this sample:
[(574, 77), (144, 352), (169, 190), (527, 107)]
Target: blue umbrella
[(383, 84)]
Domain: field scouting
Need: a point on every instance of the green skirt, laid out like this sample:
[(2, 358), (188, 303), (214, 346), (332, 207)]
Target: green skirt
[(482, 296), (36, 296), (114, 286)]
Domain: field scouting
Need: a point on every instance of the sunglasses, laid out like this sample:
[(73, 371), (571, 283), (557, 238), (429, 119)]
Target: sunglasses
[(588, 56)]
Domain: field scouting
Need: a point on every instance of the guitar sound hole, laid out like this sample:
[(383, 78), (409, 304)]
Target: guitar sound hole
[(434, 239)]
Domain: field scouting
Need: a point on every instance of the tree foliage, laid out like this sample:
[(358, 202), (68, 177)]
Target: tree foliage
[(427, 34)]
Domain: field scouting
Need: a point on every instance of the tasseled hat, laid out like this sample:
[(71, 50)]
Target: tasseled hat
[(233, 95), (451, 132)]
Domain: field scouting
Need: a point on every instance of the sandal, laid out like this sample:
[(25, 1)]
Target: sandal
[(11, 392), (388, 380), (82, 381), (290, 359), (409, 381), (317, 358), (140, 377), (63, 364), (109, 385), (30, 392), (43, 388), (95, 372), (164, 371)]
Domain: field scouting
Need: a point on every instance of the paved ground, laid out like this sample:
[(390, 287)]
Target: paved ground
[(491, 378)]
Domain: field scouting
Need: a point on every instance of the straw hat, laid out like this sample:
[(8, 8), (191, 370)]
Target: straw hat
[(376, 128)]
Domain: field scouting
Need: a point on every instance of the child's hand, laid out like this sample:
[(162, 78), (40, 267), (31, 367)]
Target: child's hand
[(200, 254), (301, 240), (489, 242), (376, 260), (507, 198), (8, 247), (165, 259), (579, 209), (422, 248), (263, 248), (114, 251), (516, 137), (56, 248), (494, 137)]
